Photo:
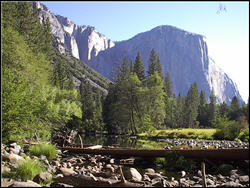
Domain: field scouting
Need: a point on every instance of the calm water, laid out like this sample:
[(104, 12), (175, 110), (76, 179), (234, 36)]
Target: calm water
[(109, 140)]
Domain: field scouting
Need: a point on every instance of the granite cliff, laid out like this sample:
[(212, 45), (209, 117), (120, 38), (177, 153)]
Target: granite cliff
[(183, 54)]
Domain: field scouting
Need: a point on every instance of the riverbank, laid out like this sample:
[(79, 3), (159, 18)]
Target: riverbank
[(67, 169)]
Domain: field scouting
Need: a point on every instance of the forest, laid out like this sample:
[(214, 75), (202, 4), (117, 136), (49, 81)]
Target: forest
[(39, 96)]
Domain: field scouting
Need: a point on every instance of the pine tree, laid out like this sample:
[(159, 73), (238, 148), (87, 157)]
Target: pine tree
[(203, 110), (191, 105), (213, 109), (168, 85), (234, 109), (156, 97), (159, 67), (223, 109), (152, 63), (139, 67), (123, 70), (131, 66), (180, 102)]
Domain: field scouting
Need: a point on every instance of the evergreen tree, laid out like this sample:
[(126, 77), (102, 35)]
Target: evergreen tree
[(234, 109), (171, 112), (168, 85), (180, 102), (203, 110), (131, 66), (158, 66), (223, 109), (154, 64), (123, 70), (191, 105), (139, 67), (156, 95), (213, 109)]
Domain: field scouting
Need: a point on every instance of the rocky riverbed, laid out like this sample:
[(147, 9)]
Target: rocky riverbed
[(205, 144), (69, 168)]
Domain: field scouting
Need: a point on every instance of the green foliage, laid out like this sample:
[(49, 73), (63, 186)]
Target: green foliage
[(154, 64), (155, 99), (139, 67), (48, 150), (244, 135), (227, 129), (91, 108), (28, 169), (168, 85), (191, 106), (185, 163), (160, 160)]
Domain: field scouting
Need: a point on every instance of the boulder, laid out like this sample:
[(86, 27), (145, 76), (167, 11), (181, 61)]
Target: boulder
[(13, 158), (244, 179), (132, 173), (149, 170), (25, 184), (67, 171)]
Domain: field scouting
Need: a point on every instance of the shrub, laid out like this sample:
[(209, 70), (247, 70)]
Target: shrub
[(227, 129), (28, 169), (48, 150), (244, 135)]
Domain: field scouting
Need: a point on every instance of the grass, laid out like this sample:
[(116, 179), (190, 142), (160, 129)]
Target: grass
[(48, 150), (26, 170), (149, 144), (183, 133)]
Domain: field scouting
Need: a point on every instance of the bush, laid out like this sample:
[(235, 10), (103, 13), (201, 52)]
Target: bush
[(28, 169), (244, 135), (48, 150), (227, 129)]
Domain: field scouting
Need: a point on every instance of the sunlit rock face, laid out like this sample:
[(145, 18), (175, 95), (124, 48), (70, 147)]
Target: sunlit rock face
[(183, 54), (83, 42)]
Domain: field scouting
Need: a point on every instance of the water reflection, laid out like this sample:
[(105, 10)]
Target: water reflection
[(109, 140)]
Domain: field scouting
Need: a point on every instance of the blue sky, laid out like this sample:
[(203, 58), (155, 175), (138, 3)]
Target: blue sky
[(227, 32)]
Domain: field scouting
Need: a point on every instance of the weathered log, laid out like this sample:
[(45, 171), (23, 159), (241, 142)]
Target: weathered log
[(94, 147), (91, 181)]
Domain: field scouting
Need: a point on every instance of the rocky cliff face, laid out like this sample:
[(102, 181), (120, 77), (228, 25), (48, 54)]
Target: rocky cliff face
[(84, 42), (183, 54)]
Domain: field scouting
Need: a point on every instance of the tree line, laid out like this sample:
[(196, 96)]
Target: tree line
[(138, 102)]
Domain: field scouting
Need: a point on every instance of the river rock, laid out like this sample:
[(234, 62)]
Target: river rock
[(42, 177), (231, 184), (244, 179), (132, 173), (13, 158), (183, 173), (25, 184), (67, 171), (15, 151), (149, 170), (146, 178), (210, 182), (5, 169)]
